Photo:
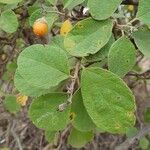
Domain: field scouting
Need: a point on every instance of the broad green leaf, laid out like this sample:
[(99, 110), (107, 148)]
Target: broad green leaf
[(144, 143), (81, 120), (70, 4), (8, 21), (50, 17), (102, 53), (108, 100), (58, 41), (144, 11), (79, 139), (88, 37), (26, 89), (101, 10), (142, 40), (44, 112), (43, 66), (50, 135), (122, 56), (10, 1), (11, 104)]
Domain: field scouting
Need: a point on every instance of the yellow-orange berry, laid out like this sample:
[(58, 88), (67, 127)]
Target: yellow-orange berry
[(40, 27), (21, 99), (65, 28), (130, 7)]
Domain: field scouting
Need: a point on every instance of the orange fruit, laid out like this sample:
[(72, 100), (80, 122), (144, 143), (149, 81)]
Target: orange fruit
[(40, 27)]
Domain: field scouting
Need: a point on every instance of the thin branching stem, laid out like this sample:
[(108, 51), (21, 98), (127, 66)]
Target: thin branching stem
[(71, 87)]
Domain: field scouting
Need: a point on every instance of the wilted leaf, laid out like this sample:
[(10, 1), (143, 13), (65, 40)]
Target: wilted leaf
[(65, 28)]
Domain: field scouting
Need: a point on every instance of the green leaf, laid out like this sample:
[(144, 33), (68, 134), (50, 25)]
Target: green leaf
[(144, 143), (50, 135), (144, 11), (101, 10), (6, 76), (8, 21), (10, 1), (34, 16), (147, 115), (79, 139), (102, 53), (122, 56), (131, 132), (70, 4), (58, 41), (11, 104), (9, 6), (32, 9), (81, 120), (50, 17), (108, 100), (29, 90), (43, 66), (44, 112), (11, 67), (53, 2), (88, 37), (142, 40)]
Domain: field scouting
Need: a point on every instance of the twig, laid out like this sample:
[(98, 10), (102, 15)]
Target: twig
[(71, 87), (143, 76), (62, 137), (16, 136), (125, 145)]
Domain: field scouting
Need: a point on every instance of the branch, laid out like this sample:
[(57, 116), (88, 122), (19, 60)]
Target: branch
[(145, 75), (125, 145), (16, 136), (71, 87)]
